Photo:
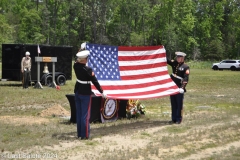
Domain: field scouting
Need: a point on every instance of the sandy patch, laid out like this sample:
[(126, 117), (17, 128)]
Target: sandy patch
[(56, 110), (20, 120)]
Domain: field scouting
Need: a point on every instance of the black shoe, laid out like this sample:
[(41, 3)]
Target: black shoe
[(84, 138), (178, 122), (171, 122)]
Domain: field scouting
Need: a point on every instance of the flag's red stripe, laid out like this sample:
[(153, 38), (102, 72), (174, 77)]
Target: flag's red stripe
[(139, 48), (141, 57), (143, 76), (135, 86), (143, 93), (145, 66), (122, 96), (134, 97)]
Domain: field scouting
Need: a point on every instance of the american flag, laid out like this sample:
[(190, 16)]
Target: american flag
[(131, 72)]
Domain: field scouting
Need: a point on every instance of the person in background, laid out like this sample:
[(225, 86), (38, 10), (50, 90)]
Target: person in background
[(83, 91), (26, 64), (180, 75)]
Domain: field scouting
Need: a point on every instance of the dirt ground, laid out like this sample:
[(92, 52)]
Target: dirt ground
[(138, 138), (55, 110)]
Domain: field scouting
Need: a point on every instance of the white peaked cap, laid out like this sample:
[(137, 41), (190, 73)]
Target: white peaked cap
[(27, 53), (83, 45), (180, 54), (83, 54)]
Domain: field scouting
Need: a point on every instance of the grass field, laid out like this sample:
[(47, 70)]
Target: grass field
[(210, 128)]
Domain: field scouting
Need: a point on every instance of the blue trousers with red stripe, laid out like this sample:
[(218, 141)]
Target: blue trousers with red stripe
[(177, 107), (83, 112)]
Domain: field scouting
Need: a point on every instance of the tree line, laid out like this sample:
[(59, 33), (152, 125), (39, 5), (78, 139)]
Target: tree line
[(204, 29)]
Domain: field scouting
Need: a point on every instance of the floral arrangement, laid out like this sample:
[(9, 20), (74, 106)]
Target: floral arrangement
[(134, 109)]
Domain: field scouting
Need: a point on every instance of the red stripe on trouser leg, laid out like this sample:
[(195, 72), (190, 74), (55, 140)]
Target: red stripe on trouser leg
[(182, 112), (88, 117)]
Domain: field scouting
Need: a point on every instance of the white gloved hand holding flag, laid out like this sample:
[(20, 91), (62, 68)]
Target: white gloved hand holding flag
[(83, 46), (181, 90), (104, 95)]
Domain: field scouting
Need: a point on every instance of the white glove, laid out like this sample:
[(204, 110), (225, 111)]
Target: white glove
[(83, 45), (181, 90), (104, 95)]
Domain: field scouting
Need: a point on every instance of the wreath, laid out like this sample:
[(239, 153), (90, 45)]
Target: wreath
[(134, 109)]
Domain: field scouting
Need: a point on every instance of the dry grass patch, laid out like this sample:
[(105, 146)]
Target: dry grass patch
[(23, 120)]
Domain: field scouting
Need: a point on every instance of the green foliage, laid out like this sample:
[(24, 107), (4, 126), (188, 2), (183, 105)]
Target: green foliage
[(30, 27), (205, 29), (137, 39), (5, 33), (215, 51)]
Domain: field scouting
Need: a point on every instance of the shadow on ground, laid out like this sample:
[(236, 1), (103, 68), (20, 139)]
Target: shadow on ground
[(113, 129), (10, 84)]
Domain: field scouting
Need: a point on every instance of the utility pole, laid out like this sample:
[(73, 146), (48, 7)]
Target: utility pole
[(143, 29), (37, 5)]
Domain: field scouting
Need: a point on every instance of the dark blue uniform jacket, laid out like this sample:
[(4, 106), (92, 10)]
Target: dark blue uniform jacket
[(180, 70), (84, 73)]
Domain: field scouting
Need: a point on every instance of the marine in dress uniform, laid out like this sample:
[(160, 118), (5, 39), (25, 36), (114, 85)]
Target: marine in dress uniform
[(180, 75), (83, 92), (26, 64)]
